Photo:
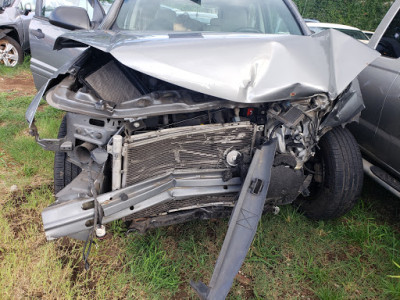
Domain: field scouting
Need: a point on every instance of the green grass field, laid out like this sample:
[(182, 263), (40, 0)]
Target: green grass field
[(291, 257)]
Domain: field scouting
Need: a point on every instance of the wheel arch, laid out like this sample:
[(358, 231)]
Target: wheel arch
[(11, 32)]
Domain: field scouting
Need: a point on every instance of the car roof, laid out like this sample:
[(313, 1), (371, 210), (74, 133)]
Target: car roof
[(331, 25)]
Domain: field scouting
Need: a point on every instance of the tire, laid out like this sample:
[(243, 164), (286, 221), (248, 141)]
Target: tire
[(64, 171), (340, 164), (11, 53)]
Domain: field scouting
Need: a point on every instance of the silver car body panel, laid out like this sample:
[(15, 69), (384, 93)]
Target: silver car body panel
[(13, 18), (31, 111), (379, 84), (256, 69), (44, 60), (304, 75), (312, 75), (299, 72)]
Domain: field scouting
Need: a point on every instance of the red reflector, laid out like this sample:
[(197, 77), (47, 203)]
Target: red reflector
[(250, 112)]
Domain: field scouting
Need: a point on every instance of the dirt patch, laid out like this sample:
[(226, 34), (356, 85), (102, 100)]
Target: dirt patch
[(170, 246), (182, 292), (333, 256), (20, 218), (69, 254), (22, 84), (19, 197), (7, 166)]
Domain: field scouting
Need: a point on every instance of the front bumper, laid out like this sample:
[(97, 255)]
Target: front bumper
[(74, 218)]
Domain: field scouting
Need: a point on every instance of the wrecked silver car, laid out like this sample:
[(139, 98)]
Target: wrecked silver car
[(185, 109)]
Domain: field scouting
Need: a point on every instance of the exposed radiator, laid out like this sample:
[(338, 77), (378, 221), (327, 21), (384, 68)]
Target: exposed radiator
[(195, 147)]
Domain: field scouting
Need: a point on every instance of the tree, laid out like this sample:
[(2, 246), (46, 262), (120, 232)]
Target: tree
[(364, 14)]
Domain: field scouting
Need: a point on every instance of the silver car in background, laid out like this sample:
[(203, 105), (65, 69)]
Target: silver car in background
[(15, 16), (349, 30)]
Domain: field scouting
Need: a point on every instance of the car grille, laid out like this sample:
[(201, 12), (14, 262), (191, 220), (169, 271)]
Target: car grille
[(159, 153)]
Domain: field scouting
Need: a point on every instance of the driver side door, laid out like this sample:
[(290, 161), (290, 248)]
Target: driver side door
[(42, 35), (378, 132)]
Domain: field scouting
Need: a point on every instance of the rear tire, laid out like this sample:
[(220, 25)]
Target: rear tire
[(340, 162), (11, 53), (64, 171)]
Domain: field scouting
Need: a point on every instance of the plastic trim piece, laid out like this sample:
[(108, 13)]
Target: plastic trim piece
[(242, 226)]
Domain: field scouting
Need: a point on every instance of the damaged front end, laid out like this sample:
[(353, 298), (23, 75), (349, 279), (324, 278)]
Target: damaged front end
[(155, 148)]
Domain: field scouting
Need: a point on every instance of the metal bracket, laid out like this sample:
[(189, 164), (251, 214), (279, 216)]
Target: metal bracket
[(56, 145)]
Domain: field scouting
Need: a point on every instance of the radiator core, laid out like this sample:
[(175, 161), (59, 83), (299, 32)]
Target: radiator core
[(201, 147)]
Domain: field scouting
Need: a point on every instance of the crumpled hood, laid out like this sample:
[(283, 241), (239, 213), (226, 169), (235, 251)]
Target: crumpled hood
[(246, 68)]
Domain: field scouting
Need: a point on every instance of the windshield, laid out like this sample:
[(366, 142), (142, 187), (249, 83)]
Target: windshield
[(253, 16)]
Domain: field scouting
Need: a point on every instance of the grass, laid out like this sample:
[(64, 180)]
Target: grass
[(9, 72), (291, 257)]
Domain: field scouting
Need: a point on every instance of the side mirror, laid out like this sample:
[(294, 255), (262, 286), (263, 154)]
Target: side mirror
[(70, 17), (28, 9)]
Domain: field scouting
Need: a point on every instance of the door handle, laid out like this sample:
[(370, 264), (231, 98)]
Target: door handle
[(38, 33)]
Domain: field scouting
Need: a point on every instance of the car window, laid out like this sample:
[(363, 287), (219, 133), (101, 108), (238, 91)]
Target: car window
[(50, 5), (251, 16), (106, 4), (389, 45)]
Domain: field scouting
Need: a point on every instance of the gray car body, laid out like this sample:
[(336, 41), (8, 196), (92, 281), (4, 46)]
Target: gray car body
[(15, 24), (42, 35), (378, 132), (259, 70), (240, 80)]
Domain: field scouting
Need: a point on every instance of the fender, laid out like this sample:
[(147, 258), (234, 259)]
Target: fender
[(3, 32)]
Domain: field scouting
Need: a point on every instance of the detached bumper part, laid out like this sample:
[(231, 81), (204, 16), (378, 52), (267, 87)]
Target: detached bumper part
[(72, 214), (242, 225)]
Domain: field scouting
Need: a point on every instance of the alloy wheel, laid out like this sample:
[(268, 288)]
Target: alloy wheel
[(8, 54)]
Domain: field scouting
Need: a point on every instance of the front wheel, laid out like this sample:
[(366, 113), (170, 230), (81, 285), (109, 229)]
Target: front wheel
[(11, 53), (64, 170), (338, 177)]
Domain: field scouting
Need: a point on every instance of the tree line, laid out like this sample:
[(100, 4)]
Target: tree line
[(364, 14)]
